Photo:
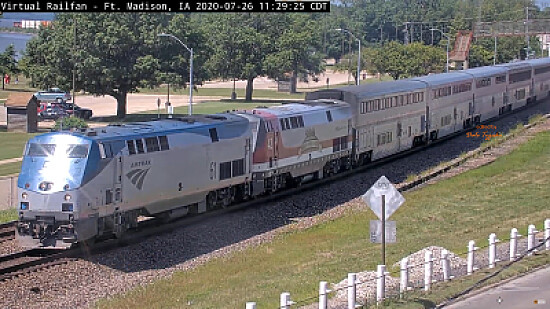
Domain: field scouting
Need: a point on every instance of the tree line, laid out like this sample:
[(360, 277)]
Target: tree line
[(116, 54)]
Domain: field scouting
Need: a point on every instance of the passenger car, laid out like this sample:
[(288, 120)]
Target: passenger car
[(54, 113)]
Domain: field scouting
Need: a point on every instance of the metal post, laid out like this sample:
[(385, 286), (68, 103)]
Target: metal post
[(428, 270), (493, 250), (351, 290), (547, 233), (531, 231), (404, 275), (495, 54), (359, 63), (250, 305), (471, 249), (74, 66), (381, 283), (445, 265), (323, 291), (383, 229), (191, 85), (158, 108), (527, 32), (447, 65), (285, 300), (513, 243)]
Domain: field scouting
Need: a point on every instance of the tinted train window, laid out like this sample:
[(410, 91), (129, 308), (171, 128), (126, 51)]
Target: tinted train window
[(238, 167), (77, 151), (131, 147), (225, 170), (213, 134), (139, 145), (152, 144), (163, 143), (41, 150)]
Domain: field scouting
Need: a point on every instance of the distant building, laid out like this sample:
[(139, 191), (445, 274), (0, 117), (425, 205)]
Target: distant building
[(33, 24)]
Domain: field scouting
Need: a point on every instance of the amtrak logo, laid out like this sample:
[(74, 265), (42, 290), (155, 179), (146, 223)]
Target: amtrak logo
[(137, 176)]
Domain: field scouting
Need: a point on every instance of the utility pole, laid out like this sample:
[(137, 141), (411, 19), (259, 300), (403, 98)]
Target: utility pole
[(527, 32), (74, 63)]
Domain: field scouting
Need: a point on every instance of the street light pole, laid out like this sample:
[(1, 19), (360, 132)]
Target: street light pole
[(190, 68), (358, 56), (443, 34)]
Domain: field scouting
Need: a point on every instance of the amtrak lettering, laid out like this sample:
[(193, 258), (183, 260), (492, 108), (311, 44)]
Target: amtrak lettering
[(140, 163)]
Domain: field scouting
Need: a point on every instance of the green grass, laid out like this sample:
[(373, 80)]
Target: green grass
[(10, 168), (198, 108), (226, 93), (444, 290), (510, 192), (13, 144), (22, 86), (8, 215)]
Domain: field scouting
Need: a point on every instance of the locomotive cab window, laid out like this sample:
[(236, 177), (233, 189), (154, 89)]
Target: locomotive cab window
[(139, 146), (213, 134), (131, 147), (164, 143), (152, 144)]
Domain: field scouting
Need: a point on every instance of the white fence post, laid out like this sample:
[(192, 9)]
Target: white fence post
[(323, 298), (285, 300), (493, 250), (404, 275), (514, 243), (531, 231), (547, 233), (471, 250), (428, 270), (381, 283), (446, 265), (250, 305), (351, 290)]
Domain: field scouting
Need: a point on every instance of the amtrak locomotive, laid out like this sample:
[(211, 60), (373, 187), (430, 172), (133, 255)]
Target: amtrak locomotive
[(78, 186)]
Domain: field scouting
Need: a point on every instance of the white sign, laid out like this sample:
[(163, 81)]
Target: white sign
[(373, 197), (376, 232)]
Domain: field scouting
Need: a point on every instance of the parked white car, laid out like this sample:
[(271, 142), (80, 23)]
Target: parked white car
[(52, 94)]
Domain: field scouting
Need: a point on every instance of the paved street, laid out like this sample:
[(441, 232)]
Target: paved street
[(528, 292)]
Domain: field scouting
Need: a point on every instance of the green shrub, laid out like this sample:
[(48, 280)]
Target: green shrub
[(67, 123)]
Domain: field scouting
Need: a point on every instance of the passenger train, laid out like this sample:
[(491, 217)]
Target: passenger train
[(79, 186)]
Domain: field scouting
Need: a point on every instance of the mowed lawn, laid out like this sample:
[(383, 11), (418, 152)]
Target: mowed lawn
[(511, 192), (12, 144)]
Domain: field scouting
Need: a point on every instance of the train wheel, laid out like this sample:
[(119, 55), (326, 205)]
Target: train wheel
[(211, 199)]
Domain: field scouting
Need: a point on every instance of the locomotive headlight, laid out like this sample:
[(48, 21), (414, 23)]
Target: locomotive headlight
[(42, 186), (67, 197), (24, 195)]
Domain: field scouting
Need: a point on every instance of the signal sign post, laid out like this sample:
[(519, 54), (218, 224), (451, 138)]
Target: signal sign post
[(384, 200)]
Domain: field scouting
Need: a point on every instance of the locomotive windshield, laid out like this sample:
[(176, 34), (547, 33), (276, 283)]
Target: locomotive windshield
[(49, 150)]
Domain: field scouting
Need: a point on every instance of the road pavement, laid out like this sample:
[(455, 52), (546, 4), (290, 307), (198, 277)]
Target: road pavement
[(529, 292)]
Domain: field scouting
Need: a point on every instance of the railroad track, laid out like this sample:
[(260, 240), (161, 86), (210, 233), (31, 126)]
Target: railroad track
[(7, 231), (19, 263)]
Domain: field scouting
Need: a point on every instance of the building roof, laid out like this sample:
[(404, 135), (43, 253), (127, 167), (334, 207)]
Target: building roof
[(18, 99)]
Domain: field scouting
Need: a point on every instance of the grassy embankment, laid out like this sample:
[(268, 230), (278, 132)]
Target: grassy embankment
[(511, 192)]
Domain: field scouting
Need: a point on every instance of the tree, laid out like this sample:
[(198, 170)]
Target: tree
[(114, 53), (8, 63), (296, 51)]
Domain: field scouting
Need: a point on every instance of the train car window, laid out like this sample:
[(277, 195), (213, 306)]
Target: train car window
[(77, 151), (343, 142), (225, 170), (108, 197), (362, 108), (213, 134), (421, 96), (542, 70), (40, 150), (301, 121), (294, 122), (500, 79), (238, 167), (520, 76), (139, 146), (108, 150), (164, 143), (131, 147), (287, 124), (410, 131), (329, 116), (152, 144), (282, 124)]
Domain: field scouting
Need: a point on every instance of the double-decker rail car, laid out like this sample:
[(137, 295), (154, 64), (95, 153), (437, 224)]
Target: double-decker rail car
[(541, 78), (489, 91), (520, 84)]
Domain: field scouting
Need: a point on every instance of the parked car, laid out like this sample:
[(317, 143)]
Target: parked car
[(52, 94), (54, 113), (79, 112)]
